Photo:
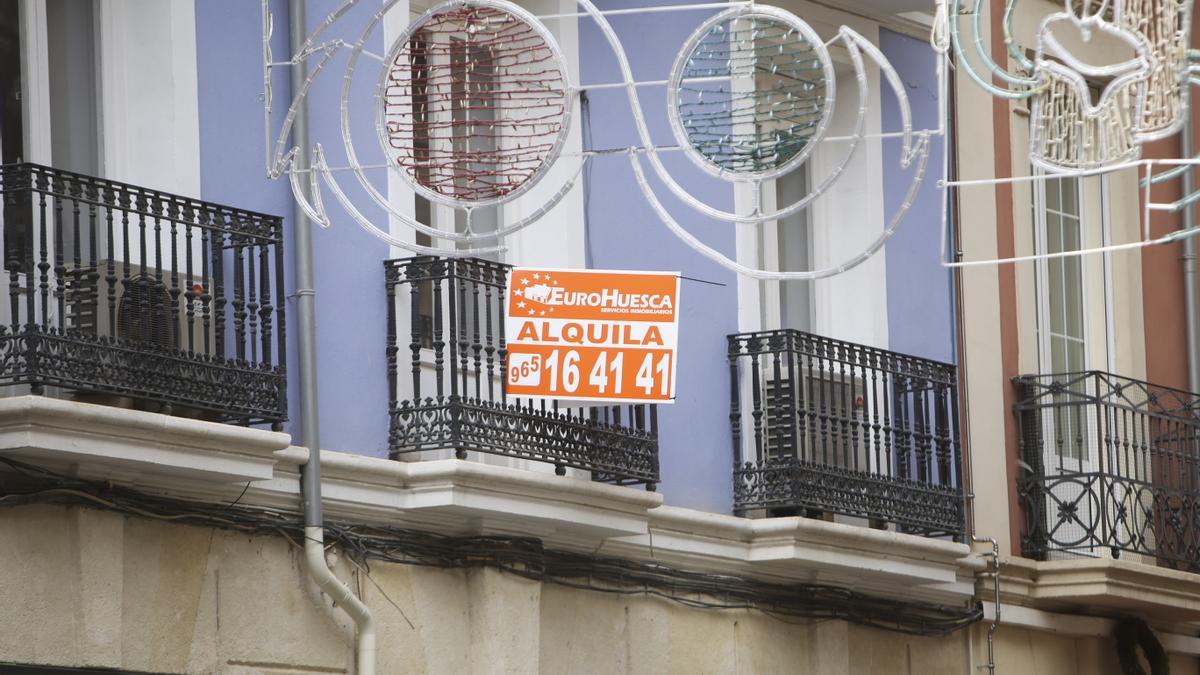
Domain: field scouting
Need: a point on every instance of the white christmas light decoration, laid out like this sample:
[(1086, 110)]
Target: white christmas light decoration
[(1142, 97), (473, 105)]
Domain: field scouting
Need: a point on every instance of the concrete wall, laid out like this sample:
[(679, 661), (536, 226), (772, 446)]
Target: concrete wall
[(87, 587), (1030, 652)]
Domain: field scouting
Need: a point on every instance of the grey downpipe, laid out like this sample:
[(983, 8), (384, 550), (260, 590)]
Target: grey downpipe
[(969, 464), (1189, 270), (995, 574), (310, 430)]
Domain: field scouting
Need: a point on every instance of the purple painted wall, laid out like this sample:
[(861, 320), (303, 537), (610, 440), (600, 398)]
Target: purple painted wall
[(350, 298), (229, 86), (919, 290), (351, 331), (624, 233)]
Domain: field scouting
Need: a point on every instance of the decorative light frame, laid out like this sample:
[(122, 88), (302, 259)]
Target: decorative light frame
[(560, 61), (675, 81), (915, 144), (1168, 55)]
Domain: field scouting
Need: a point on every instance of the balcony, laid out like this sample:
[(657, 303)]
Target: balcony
[(1111, 467), (824, 427), (119, 294), (446, 322)]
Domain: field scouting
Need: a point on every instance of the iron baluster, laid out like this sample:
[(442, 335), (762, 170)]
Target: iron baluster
[(239, 297), (219, 296), (44, 264), (251, 301), (476, 345), (439, 344), (264, 310), (190, 294)]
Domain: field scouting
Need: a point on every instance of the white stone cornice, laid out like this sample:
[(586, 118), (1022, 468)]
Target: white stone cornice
[(212, 462), (1105, 585), (873, 561), (139, 448), (463, 497)]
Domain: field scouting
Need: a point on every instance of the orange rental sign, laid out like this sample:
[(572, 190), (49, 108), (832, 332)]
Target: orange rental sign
[(592, 335)]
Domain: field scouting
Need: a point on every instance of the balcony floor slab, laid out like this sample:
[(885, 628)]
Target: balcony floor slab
[(1102, 585), (131, 446), (212, 462)]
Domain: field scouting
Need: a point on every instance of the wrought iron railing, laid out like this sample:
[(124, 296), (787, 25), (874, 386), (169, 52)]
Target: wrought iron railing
[(115, 290), (446, 354), (1110, 465), (822, 426)]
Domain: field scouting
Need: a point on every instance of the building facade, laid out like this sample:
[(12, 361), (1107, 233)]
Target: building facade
[(902, 468)]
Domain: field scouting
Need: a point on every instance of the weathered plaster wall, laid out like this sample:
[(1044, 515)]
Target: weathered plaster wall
[(88, 587), (1030, 652)]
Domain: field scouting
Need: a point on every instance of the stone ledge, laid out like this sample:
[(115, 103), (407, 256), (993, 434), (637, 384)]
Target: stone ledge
[(213, 462), (461, 497), (794, 548), (131, 446), (1103, 585)]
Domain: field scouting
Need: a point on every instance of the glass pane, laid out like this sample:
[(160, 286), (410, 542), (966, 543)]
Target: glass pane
[(1054, 267), (1052, 193), (1074, 351), (1058, 355), (795, 297), (1054, 234), (1071, 235), (1073, 290), (1070, 195), (11, 134)]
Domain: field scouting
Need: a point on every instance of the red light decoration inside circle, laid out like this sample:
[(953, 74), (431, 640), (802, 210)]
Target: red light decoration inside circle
[(473, 105)]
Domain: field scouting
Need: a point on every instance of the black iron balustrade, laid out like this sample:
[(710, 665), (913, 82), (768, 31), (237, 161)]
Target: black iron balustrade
[(823, 426), (1111, 465), (446, 354), (115, 290)]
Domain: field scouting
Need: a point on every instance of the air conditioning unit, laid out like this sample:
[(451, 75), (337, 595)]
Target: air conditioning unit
[(822, 419), (148, 306), (148, 309)]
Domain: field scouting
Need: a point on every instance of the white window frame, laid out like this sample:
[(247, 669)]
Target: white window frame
[(1045, 337)]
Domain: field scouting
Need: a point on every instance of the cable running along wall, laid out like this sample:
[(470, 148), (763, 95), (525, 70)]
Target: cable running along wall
[(23, 484)]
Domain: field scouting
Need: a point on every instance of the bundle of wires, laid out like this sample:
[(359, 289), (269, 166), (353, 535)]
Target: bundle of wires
[(526, 557)]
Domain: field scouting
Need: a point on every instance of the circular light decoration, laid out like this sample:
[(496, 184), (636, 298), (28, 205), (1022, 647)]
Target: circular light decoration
[(473, 103), (751, 93)]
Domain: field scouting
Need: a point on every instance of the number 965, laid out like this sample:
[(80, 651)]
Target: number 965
[(519, 371)]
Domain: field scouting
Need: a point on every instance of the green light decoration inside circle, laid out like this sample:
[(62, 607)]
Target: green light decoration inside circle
[(752, 94)]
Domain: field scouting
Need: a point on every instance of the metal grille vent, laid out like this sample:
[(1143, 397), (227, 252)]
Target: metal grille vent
[(144, 313)]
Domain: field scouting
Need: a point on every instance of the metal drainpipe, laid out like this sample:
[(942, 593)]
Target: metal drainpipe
[(951, 144), (1189, 271), (310, 432)]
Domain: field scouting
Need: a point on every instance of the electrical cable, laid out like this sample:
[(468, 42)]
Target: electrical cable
[(526, 557)]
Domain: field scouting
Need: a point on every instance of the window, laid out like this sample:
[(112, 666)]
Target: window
[(12, 133), (795, 253), (13, 215), (787, 245), (59, 105), (478, 86), (1062, 328)]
